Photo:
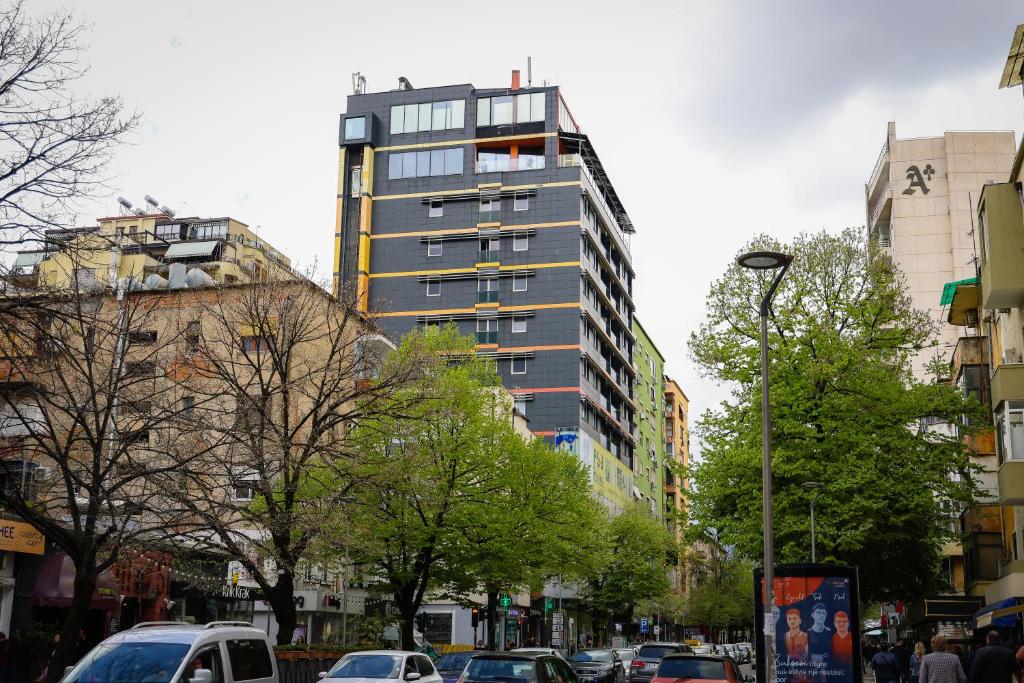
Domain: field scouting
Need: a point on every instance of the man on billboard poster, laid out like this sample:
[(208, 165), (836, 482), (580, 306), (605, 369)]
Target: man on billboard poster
[(796, 640), (842, 641), (819, 636)]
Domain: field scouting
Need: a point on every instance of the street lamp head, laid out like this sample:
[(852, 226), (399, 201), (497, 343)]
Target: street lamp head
[(763, 260), (813, 485)]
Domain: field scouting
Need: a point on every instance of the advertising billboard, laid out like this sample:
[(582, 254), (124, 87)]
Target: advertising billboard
[(816, 621)]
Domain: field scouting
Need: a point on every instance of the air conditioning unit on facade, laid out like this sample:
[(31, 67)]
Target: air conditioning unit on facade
[(1011, 356)]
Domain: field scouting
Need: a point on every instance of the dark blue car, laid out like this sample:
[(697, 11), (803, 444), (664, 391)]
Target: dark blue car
[(450, 666)]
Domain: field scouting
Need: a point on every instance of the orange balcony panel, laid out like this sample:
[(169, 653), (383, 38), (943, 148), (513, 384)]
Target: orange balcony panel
[(982, 443)]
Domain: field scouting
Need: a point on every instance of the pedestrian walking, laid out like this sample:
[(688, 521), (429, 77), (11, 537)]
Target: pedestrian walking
[(902, 660), (886, 666), (993, 663), (915, 662), (940, 665)]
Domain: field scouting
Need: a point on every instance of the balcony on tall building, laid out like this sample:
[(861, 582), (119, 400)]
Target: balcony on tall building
[(1008, 383), (1001, 221), (879, 177), (980, 529)]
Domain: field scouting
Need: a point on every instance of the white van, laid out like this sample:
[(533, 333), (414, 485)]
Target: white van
[(166, 651)]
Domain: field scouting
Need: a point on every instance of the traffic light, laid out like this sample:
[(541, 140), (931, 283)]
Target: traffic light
[(476, 617)]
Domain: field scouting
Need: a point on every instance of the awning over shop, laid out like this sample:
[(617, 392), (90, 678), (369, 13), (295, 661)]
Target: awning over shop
[(1005, 613), (190, 249), (55, 585)]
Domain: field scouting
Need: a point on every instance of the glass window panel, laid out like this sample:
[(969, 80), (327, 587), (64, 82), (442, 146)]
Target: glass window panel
[(440, 120), (458, 114), (483, 111), (453, 161), (436, 205), (521, 202), (502, 110), (523, 108), (437, 162), (433, 247), (394, 166), (409, 165), (422, 164), (537, 106), (518, 283), (518, 324), (355, 129), (520, 242), (425, 116), (412, 117), (397, 118)]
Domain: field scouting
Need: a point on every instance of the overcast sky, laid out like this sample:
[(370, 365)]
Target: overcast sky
[(715, 120)]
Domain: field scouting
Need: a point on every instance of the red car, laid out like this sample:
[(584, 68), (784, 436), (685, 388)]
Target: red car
[(693, 668)]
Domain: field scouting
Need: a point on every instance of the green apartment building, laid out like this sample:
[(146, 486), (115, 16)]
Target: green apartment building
[(649, 460)]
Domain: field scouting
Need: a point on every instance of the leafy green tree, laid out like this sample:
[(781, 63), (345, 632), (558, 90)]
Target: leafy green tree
[(846, 411), (722, 592), (432, 472), (636, 558), (540, 522)]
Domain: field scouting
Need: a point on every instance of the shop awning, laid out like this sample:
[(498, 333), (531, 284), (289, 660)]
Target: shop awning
[(55, 585), (1005, 613), (190, 249), (949, 289)]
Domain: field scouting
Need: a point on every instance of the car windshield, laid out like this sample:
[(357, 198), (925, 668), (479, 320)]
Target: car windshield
[(518, 670), (116, 662), (593, 656), (690, 667), (366, 666), (453, 661), (657, 651)]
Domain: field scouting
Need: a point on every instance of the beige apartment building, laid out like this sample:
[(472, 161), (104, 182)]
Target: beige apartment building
[(677, 460), (151, 250), (921, 201)]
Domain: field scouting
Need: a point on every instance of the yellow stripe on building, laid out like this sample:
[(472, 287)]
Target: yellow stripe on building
[(457, 271), (469, 231), (447, 311)]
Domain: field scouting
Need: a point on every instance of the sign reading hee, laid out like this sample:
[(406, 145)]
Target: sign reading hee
[(18, 537)]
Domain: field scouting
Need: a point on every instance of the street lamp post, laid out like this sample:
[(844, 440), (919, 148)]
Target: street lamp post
[(767, 260), (815, 486)]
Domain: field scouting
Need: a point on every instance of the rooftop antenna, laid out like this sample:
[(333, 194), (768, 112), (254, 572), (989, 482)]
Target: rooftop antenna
[(529, 71), (404, 84), (152, 202), (358, 83)]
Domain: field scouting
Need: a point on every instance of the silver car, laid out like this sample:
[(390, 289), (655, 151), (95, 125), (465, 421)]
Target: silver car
[(380, 666)]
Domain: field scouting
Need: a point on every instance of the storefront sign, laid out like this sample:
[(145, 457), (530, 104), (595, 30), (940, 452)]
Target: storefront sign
[(236, 592), (18, 537)]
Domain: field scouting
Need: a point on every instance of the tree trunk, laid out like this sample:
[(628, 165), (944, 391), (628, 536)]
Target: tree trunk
[(282, 601), (66, 653), (407, 623), (492, 618)]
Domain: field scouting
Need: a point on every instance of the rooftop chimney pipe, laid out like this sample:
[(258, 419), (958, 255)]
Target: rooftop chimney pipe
[(515, 79)]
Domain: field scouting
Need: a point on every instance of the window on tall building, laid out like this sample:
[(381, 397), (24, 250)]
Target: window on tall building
[(487, 331), (520, 405), (490, 209), (433, 247), (519, 282), (436, 208), (355, 128), (424, 116), (530, 107), (518, 324), (520, 241), (355, 182), (425, 163), (521, 202), (518, 365), (501, 110), (433, 287), (487, 290)]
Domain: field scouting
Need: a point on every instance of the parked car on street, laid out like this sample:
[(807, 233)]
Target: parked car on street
[(627, 655), (450, 665), (383, 665), (516, 667), (165, 651), (645, 664), (694, 668), (598, 665)]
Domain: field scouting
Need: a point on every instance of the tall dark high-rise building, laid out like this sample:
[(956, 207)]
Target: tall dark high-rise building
[(490, 208)]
